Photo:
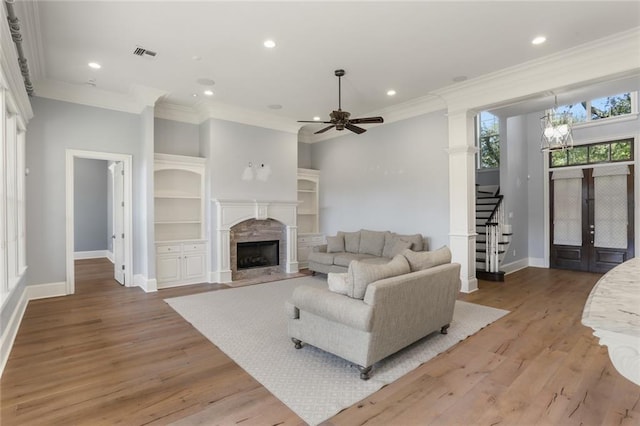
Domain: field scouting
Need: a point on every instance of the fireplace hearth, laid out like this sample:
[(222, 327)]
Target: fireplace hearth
[(257, 254)]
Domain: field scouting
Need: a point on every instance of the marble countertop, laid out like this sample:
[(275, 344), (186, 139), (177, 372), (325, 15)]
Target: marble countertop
[(614, 302)]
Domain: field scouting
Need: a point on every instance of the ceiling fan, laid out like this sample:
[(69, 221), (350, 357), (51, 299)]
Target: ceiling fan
[(340, 119)]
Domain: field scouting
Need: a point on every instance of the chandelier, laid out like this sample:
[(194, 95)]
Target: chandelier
[(556, 129)]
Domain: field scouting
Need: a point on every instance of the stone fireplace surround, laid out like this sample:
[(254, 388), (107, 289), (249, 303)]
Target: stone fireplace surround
[(232, 212)]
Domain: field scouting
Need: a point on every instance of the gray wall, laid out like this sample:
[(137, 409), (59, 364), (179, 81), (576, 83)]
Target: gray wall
[(393, 177), (91, 215), (174, 137), (55, 127), (514, 185), (304, 155), (233, 146)]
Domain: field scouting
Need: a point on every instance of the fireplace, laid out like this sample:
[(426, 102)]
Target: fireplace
[(252, 221), (257, 254)]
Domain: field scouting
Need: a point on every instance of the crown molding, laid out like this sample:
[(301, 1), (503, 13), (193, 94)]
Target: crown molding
[(609, 57), (133, 102), (236, 114), (10, 75), (29, 15), (175, 112)]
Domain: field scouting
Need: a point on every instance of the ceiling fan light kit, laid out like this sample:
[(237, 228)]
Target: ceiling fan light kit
[(340, 120)]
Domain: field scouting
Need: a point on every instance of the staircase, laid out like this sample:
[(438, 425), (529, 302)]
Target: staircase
[(494, 234)]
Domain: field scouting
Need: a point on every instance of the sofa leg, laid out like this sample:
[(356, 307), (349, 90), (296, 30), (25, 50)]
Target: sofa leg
[(364, 372), (297, 343), (444, 329)]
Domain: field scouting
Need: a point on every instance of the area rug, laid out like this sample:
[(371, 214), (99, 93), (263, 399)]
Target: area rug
[(249, 324)]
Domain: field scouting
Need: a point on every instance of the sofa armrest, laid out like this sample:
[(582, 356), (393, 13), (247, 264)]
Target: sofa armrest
[(334, 307), (320, 249)]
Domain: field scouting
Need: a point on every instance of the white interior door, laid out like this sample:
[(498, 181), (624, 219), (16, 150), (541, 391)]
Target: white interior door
[(118, 223)]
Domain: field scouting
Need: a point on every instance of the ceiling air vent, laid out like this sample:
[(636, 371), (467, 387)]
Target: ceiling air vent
[(141, 51)]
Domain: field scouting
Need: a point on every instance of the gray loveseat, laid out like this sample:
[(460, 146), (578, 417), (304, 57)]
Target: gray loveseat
[(375, 247), (373, 311)]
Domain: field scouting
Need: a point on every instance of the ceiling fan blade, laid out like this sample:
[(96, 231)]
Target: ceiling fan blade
[(367, 120), (321, 122), (325, 129), (354, 129)]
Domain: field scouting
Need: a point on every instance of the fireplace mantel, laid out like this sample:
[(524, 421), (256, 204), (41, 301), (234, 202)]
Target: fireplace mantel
[(231, 212)]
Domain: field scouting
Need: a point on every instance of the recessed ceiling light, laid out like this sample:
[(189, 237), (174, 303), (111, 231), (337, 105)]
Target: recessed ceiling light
[(269, 44), (208, 92), (316, 118), (539, 40), (94, 65), (391, 92), (195, 95)]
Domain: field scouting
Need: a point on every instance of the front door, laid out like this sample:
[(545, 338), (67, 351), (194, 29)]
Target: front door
[(592, 217)]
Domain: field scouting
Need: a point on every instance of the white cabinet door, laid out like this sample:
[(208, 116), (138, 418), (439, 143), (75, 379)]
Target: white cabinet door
[(194, 266), (168, 268)]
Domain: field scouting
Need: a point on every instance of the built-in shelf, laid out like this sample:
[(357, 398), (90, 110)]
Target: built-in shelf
[(181, 246), (308, 218)]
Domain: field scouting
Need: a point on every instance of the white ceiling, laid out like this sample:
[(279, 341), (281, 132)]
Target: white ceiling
[(412, 47)]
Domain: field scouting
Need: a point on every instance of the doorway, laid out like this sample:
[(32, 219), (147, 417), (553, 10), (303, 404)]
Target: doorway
[(122, 218), (592, 217)]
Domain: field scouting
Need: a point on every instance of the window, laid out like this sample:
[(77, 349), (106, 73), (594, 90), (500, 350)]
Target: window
[(605, 152), (600, 108), (488, 134)]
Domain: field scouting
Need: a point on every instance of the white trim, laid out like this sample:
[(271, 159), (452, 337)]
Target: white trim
[(93, 254), (11, 330), (147, 285), (538, 262), (510, 268), (29, 292), (109, 256), (126, 159)]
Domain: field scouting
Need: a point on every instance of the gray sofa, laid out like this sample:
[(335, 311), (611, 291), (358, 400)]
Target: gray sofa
[(375, 247), (376, 310)]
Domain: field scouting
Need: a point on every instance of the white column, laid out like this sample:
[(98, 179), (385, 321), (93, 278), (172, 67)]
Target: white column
[(462, 236), (224, 256), (292, 249)]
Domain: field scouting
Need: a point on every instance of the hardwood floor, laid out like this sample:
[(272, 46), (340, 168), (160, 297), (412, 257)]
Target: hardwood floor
[(115, 355)]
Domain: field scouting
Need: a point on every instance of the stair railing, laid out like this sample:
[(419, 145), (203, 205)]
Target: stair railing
[(494, 235)]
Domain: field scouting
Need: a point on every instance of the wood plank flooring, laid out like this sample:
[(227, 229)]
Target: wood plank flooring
[(115, 355)]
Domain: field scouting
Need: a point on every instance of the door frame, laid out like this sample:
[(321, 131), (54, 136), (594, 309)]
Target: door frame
[(71, 155), (546, 193)]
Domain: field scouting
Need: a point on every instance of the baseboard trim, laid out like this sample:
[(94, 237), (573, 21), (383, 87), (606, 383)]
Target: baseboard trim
[(517, 265), (148, 286), (44, 291), (537, 262), (11, 330), (110, 256), (30, 292), (94, 254)]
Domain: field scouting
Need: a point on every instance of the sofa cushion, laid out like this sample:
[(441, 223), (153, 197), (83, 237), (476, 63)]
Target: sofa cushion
[(416, 240), (344, 259), (371, 242), (362, 274), (351, 241), (375, 260), (427, 259), (335, 244), (321, 257), (394, 246), (338, 282)]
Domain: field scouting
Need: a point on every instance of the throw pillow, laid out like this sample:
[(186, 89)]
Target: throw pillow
[(427, 259), (417, 243), (335, 244), (361, 274), (371, 242), (352, 241), (398, 247), (338, 282)]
